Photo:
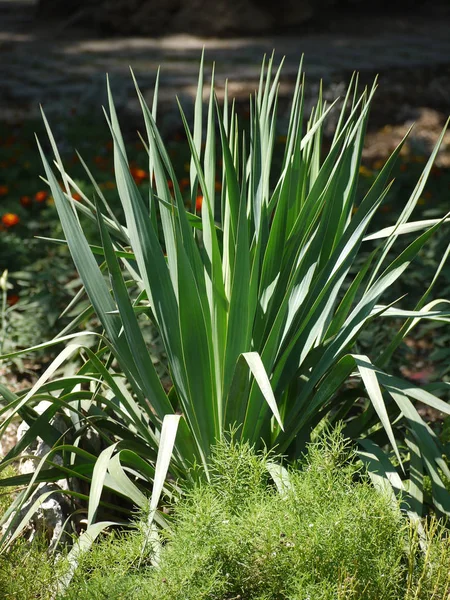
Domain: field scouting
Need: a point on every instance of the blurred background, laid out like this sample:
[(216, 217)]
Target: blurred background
[(56, 53)]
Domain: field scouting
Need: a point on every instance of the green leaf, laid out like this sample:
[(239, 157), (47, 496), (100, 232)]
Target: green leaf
[(98, 480)]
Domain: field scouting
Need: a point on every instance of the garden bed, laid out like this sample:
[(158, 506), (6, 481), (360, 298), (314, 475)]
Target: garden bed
[(237, 282)]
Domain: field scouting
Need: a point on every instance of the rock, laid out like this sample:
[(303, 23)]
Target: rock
[(51, 517), (8, 439)]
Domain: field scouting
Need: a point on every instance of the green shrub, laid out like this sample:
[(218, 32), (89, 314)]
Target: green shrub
[(113, 569), (27, 570), (324, 530), (428, 561), (6, 493), (325, 534)]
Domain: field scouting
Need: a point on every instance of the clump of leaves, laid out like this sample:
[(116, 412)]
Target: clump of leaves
[(323, 529), (114, 568), (323, 532), (6, 494), (428, 562), (27, 570)]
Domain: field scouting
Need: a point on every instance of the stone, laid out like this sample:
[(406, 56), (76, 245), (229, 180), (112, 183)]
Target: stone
[(8, 438), (51, 517)]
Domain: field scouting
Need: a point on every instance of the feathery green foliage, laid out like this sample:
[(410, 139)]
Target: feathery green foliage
[(29, 571), (6, 494), (329, 534)]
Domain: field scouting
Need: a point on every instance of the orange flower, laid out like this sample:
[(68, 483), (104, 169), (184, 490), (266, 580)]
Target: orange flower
[(25, 200), (76, 196), (10, 219), (13, 299), (41, 196), (198, 203), (138, 174), (170, 184), (217, 186), (141, 174), (4, 189)]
